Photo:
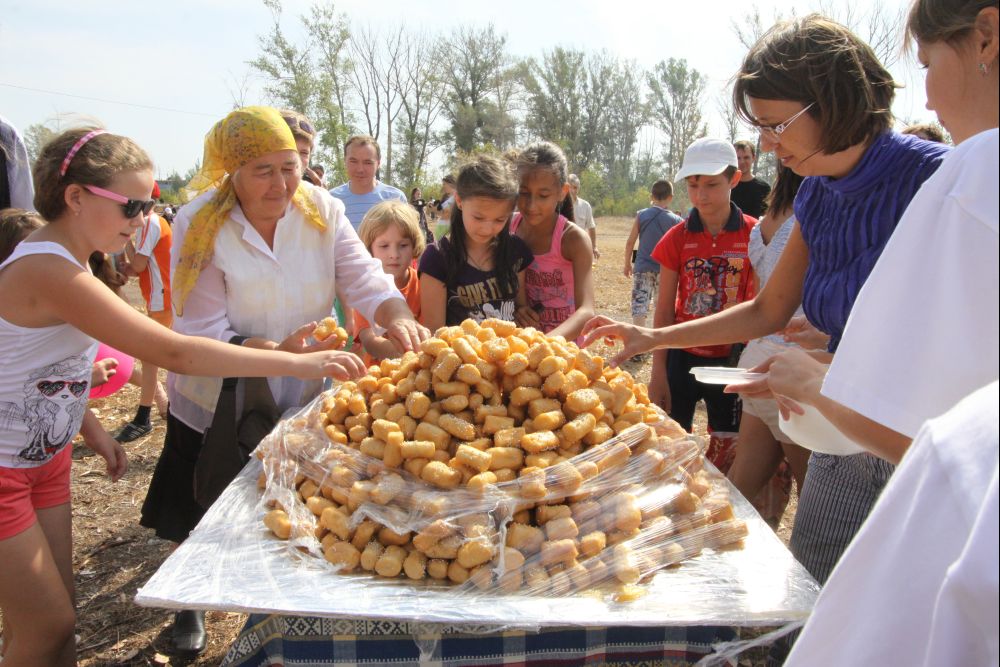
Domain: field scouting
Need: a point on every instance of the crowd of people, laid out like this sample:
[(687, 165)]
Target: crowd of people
[(808, 281)]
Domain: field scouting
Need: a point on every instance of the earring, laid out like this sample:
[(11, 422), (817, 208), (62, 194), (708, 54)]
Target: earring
[(984, 69)]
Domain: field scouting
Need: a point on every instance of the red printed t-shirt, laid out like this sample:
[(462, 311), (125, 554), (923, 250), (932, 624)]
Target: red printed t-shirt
[(712, 273), (411, 292)]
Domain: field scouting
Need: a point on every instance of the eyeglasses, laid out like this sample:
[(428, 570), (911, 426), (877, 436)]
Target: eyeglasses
[(50, 388), (132, 207), (301, 124), (773, 132)]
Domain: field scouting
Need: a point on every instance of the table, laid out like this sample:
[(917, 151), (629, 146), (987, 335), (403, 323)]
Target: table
[(231, 562)]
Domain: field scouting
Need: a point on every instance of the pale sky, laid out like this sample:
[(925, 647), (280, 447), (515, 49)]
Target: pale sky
[(186, 57)]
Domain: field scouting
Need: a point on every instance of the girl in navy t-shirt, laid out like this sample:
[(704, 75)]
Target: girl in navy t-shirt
[(477, 270)]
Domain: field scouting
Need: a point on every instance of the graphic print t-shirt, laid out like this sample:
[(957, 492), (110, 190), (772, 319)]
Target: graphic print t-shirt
[(475, 294), (44, 380), (712, 273)]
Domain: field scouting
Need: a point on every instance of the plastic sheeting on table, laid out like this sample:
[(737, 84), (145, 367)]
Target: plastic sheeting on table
[(232, 562)]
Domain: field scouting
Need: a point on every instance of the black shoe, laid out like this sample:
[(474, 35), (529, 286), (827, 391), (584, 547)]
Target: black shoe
[(132, 431), (188, 634)]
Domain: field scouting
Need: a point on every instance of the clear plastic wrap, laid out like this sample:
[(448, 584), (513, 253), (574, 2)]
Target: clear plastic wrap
[(609, 516), (479, 482)]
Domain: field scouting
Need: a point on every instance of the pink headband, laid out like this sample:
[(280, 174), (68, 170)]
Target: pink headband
[(76, 149)]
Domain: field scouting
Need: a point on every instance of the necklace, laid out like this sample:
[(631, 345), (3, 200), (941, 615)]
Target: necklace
[(481, 263)]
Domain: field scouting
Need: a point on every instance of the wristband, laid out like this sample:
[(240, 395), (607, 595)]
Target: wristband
[(238, 340)]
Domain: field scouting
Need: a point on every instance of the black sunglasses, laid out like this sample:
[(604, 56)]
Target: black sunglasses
[(132, 207)]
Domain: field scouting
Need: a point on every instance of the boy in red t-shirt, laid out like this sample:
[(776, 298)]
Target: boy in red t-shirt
[(391, 232), (704, 269)]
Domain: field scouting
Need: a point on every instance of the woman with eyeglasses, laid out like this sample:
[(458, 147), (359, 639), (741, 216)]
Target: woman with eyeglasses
[(822, 103), (258, 258)]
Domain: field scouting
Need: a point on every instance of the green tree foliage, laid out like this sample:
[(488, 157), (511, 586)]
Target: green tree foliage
[(308, 77), (480, 79), (676, 94), (35, 138), (417, 93)]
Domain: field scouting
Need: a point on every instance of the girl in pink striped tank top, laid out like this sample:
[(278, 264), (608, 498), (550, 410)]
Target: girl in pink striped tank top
[(559, 285)]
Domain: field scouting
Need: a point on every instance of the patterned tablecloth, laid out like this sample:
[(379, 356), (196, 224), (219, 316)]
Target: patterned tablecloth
[(312, 640)]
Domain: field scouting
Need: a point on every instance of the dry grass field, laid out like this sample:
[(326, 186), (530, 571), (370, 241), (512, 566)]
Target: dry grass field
[(113, 556)]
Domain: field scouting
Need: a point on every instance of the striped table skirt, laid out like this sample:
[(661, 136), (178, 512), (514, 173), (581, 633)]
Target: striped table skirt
[(269, 640)]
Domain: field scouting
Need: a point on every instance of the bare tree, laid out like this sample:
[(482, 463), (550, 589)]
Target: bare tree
[(422, 95), (730, 119), (879, 25), (366, 78), (239, 88), (753, 25)]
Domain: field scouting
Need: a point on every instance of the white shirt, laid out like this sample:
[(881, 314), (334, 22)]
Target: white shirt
[(764, 257), (44, 380), (919, 584), (924, 330), (584, 214), (22, 190), (249, 289), (146, 239)]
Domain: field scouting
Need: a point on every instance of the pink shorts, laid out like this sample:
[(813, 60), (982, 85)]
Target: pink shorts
[(24, 490)]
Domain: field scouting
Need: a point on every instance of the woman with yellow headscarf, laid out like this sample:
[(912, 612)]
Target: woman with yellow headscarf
[(258, 258)]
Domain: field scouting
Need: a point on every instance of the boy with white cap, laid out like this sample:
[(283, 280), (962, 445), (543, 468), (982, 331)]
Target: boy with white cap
[(704, 268)]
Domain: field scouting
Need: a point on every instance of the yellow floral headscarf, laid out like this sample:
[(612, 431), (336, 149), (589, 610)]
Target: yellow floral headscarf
[(244, 135)]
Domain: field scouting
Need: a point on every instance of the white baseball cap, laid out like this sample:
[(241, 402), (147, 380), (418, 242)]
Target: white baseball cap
[(707, 157)]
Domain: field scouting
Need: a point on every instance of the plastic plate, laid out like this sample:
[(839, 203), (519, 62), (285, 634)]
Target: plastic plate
[(814, 431), (723, 375)]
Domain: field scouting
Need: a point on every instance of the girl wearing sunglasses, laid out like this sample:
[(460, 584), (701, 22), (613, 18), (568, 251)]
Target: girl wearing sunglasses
[(93, 187)]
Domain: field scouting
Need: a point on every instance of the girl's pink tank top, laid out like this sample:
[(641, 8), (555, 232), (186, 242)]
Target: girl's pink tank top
[(549, 280)]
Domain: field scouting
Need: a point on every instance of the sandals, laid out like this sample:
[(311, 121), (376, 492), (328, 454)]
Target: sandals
[(132, 431)]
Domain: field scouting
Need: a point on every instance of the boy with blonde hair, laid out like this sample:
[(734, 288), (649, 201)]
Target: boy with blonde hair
[(391, 232)]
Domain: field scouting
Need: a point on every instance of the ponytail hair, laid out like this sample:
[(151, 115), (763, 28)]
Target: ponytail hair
[(546, 155), (493, 178)]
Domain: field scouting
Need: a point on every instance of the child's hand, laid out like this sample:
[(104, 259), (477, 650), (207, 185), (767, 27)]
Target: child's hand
[(103, 371), (525, 316), (338, 365), (627, 269), (101, 442)]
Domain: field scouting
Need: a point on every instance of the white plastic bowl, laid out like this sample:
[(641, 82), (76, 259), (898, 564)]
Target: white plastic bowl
[(814, 431), (724, 375)]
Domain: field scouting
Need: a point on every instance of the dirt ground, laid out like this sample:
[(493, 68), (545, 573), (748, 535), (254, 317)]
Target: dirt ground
[(114, 556)]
